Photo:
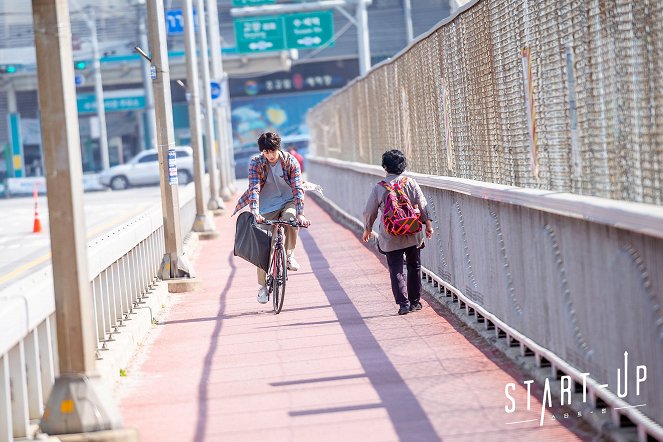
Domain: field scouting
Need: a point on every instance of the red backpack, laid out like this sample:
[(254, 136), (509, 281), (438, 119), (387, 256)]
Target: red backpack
[(398, 216)]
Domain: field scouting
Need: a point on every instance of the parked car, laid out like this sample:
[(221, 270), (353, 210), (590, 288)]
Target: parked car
[(143, 169)]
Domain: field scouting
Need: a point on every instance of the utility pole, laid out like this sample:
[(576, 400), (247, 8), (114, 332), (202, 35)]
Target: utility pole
[(221, 113), (79, 402), (99, 92), (173, 265), (362, 38), (149, 119), (202, 223), (407, 10), (214, 203)]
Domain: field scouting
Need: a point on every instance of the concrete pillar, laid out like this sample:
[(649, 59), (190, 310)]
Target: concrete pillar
[(202, 223), (78, 389), (173, 264), (214, 203), (221, 113)]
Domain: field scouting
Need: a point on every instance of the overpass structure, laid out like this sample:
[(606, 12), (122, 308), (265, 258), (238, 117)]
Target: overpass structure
[(535, 136)]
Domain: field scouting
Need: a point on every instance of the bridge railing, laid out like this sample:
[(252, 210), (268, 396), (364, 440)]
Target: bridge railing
[(571, 279), (123, 266)]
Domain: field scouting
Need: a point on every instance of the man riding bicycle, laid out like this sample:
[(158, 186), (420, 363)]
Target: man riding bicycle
[(275, 192)]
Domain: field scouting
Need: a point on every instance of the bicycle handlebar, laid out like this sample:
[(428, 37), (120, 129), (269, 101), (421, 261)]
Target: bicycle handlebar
[(291, 223)]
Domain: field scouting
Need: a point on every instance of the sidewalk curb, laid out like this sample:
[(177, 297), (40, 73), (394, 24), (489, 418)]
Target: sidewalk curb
[(119, 435), (134, 330)]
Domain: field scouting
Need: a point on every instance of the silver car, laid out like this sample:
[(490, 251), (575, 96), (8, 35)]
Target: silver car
[(143, 169)]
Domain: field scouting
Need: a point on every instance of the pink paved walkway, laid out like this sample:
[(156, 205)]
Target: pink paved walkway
[(337, 364)]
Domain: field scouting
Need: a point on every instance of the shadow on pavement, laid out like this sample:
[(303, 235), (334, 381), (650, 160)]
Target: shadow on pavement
[(405, 412), (201, 424)]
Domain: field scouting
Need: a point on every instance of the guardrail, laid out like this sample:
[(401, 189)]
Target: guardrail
[(570, 279), (123, 266)]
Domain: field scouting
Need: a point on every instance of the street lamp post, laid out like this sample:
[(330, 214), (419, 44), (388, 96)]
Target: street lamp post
[(202, 222), (173, 265), (214, 203), (407, 11), (149, 118), (222, 112), (98, 91), (362, 37)]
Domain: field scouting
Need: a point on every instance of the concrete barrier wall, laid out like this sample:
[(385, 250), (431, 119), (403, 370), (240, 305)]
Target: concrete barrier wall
[(577, 275)]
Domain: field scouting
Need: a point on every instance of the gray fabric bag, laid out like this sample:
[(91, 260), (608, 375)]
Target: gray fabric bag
[(252, 242)]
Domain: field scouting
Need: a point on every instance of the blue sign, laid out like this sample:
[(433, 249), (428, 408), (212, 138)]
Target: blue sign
[(216, 90), (175, 21), (285, 114), (172, 166)]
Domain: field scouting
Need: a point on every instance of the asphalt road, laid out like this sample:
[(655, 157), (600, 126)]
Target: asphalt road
[(22, 251)]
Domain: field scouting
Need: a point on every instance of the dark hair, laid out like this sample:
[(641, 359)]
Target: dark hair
[(394, 161), (269, 141)]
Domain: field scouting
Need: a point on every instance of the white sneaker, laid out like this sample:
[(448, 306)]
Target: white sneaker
[(293, 264), (263, 297)]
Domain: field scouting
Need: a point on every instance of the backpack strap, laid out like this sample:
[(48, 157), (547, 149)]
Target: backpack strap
[(386, 185)]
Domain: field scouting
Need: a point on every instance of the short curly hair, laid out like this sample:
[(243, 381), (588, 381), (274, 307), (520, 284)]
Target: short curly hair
[(394, 161), (269, 141)]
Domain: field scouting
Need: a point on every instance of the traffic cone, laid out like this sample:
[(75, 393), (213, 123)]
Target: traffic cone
[(36, 228)]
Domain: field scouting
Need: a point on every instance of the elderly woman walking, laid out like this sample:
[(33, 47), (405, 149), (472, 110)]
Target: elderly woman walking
[(400, 233)]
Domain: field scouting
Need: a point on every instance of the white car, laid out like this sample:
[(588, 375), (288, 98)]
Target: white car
[(143, 169)]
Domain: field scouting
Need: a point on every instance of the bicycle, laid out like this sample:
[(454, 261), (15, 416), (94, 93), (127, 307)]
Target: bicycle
[(278, 263)]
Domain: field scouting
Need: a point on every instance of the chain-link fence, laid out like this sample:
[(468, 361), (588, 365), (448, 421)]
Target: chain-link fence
[(563, 95)]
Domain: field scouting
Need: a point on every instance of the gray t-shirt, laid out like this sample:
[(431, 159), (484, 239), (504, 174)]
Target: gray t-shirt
[(276, 191)]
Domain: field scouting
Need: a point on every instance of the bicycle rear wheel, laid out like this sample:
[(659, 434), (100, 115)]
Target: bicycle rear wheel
[(280, 276)]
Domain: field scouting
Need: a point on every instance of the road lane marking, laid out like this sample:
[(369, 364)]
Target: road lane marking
[(27, 266), (40, 260)]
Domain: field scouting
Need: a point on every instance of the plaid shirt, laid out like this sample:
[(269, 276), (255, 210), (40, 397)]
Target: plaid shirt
[(258, 169)]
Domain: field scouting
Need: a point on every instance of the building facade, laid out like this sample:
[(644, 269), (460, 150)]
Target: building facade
[(268, 91)]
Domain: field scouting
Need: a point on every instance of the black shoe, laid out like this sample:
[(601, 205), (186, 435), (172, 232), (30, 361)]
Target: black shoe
[(404, 310), (415, 306)]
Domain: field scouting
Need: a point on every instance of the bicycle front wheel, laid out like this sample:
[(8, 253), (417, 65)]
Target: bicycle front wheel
[(280, 276)]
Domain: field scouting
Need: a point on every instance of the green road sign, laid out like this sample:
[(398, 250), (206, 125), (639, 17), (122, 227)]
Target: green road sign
[(289, 31), (309, 30), (88, 105), (241, 3), (259, 34)]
